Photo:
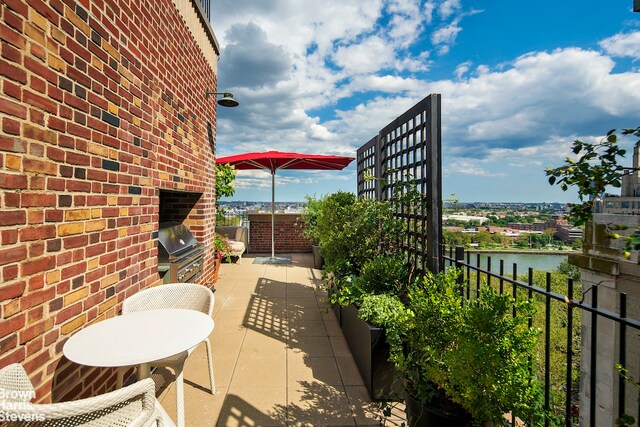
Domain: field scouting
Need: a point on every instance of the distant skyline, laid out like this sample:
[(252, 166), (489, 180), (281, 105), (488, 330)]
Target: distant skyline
[(518, 85)]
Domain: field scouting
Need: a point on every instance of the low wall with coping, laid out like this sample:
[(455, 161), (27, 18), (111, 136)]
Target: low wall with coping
[(288, 233)]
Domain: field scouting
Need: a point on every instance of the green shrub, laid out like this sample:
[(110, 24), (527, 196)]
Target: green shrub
[(384, 274), (475, 354), (353, 231)]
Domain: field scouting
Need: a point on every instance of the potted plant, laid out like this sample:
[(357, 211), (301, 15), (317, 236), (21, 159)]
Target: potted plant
[(311, 230), (330, 215), (464, 362), (359, 247), (221, 249), (380, 281)]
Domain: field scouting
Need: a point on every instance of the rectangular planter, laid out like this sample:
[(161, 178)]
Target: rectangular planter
[(370, 351), (337, 309)]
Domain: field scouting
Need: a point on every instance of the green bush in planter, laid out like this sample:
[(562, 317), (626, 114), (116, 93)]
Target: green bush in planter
[(474, 354), (491, 367), (310, 218), (353, 231), (385, 274), (388, 311), (333, 213)]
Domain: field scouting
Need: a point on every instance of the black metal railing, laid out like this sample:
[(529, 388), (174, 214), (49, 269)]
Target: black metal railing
[(203, 9), (570, 309), (230, 217), (206, 7)]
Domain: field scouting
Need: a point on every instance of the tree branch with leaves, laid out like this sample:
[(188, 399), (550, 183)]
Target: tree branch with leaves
[(225, 184), (596, 168)]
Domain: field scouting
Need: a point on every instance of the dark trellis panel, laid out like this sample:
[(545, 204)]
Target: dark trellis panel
[(409, 148), (368, 167)]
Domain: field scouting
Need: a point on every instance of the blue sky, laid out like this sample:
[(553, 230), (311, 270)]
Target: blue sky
[(519, 82)]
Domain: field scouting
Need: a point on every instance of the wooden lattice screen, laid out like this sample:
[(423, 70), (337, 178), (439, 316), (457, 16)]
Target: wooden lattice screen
[(409, 148)]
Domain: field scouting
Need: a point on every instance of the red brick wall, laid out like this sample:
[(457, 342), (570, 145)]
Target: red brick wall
[(288, 235), (102, 104)]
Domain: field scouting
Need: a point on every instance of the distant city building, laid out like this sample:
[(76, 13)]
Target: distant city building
[(563, 230), (569, 234), (525, 226), (629, 201), (465, 218)]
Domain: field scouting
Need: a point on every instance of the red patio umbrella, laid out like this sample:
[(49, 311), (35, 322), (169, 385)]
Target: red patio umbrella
[(276, 160)]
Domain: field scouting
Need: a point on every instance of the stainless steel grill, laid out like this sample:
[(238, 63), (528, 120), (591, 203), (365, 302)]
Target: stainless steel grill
[(179, 253)]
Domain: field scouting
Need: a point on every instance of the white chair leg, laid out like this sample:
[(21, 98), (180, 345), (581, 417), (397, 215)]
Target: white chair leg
[(119, 377), (212, 380), (179, 395)]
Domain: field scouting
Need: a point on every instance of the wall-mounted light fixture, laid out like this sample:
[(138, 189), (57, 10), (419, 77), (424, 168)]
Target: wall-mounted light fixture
[(226, 100)]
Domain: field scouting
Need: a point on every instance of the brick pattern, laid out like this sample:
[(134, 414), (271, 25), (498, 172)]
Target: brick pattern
[(288, 235), (177, 206), (102, 104)]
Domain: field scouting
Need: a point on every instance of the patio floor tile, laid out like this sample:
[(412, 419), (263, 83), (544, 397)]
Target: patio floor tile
[(318, 404), (349, 371), (304, 368), (307, 328), (254, 407), (340, 346)]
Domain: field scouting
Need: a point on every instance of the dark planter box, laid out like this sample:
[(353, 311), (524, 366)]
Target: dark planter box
[(370, 351), (337, 309), (318, 260), (419, 415)]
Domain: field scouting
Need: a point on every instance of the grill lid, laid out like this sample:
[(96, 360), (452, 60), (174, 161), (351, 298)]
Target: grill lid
[(174, 238)]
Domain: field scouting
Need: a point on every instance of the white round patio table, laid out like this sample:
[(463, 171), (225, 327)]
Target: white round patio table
[(138, 338)]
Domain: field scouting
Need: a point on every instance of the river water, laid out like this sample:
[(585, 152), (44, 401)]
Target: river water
[(537, 261)]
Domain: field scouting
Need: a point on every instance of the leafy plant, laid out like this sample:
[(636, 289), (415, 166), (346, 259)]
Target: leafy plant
[(225, 185), (222, 247), (347, 291), (627, 420), (309, 218), (384, 274), (334, 214), (588, 176), (387, 310), (490, 370), (353, 231), (475, 354)]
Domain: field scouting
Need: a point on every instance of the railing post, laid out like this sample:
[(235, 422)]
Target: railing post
[(593, 356), (459, 257), (568, 405), (547, 347), (622, 358)]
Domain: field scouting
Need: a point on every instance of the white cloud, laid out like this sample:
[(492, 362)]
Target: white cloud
[(389, 84), (367, 56), (260, 180), (462, 69), (319, 132), (296, 24), (622, 45), (468, 167), (446, 35), (249, 50), (429, 8), (448, 8), (414, 64)]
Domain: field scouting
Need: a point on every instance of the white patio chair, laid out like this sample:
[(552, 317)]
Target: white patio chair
[(176, 295), (132, 406)]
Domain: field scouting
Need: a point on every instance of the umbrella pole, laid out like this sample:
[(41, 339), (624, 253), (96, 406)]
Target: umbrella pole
[(273, 214)]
